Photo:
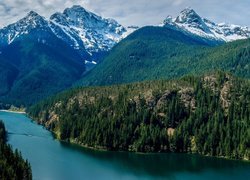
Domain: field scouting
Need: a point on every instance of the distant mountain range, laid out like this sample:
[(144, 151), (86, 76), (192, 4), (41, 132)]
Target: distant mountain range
[(182, 45), (191, 23), (88, 33), (153, 53), (92, 35), (40, 57)]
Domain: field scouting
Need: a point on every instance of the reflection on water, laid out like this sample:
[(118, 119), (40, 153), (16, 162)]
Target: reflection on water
[(161, 164)]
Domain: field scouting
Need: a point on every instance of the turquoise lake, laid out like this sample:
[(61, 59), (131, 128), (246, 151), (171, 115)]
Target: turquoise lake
[(53, 160)]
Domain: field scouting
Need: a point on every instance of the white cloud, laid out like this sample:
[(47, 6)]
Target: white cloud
[(177, 2), (131, 12)]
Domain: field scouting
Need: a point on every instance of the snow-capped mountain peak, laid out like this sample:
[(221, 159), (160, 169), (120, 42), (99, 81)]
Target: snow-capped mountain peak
[(86, 29), (190, 22), (24, 26), (90, 34), (188, 15), (33, 15), (31, 20)]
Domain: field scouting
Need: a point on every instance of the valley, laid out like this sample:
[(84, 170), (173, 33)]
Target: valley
[(82, 95)]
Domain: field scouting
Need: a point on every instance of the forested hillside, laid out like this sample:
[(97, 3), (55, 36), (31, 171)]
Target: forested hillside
[(12, 165), (209, 115), (32, 69), (163, 53)]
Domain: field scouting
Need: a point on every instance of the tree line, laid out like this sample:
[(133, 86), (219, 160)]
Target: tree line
[(186, 115)]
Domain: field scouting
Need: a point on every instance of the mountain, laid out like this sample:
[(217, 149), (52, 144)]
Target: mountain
[(162, 52), (24, 27), (36, 65), (85, 30), (89, 34), (191, 23), (40, 57), (208, 115)]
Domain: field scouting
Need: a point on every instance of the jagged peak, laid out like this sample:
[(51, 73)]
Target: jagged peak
[(77, 9), (80, 16), (32, 14), (189, 21), (168, 20), (190, 18), (75, 25), (31, 18), (187, 15), (188, 10)]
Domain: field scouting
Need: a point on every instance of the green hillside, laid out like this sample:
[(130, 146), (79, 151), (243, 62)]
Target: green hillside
[(160, 53), (31, 70), (209, 115)]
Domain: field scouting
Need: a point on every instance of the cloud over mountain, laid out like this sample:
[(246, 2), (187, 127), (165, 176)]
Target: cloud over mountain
[(131, 12)]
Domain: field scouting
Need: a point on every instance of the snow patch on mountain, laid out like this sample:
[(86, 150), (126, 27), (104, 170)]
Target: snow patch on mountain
[(88, 29), (24, 26), (190, 22), (78, 27)]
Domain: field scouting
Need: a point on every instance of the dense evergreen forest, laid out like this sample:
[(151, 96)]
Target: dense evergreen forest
[(209, 115), (12, 165), (153, 53), (31, 71)]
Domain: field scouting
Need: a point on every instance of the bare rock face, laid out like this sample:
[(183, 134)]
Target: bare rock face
[(170, 131), (187, 97), (225, 93), (222, 89), (163, 100), (87, 33), (210, 82), (188, 21)]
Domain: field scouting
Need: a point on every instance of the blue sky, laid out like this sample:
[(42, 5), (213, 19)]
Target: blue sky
[(132, 12)]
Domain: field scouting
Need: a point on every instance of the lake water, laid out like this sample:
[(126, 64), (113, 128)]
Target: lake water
[(54, 160)]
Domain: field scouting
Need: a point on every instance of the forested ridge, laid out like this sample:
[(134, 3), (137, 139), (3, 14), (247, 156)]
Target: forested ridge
[(12, 165), (209, 115), (31, 70), (153, 53)]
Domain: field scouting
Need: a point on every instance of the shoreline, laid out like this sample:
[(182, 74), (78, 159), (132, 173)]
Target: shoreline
[(103, 149), (19, 112)]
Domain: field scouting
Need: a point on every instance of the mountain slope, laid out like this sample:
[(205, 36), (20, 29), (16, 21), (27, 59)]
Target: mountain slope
[(39, 57), (207, 115), (190, 22), (8, 74), (89, 34), (162, 52), (37, 68), (23, 27), (83, 29), (148, 53)]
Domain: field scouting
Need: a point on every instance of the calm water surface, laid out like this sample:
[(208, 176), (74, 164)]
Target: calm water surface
[(53, 160)]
